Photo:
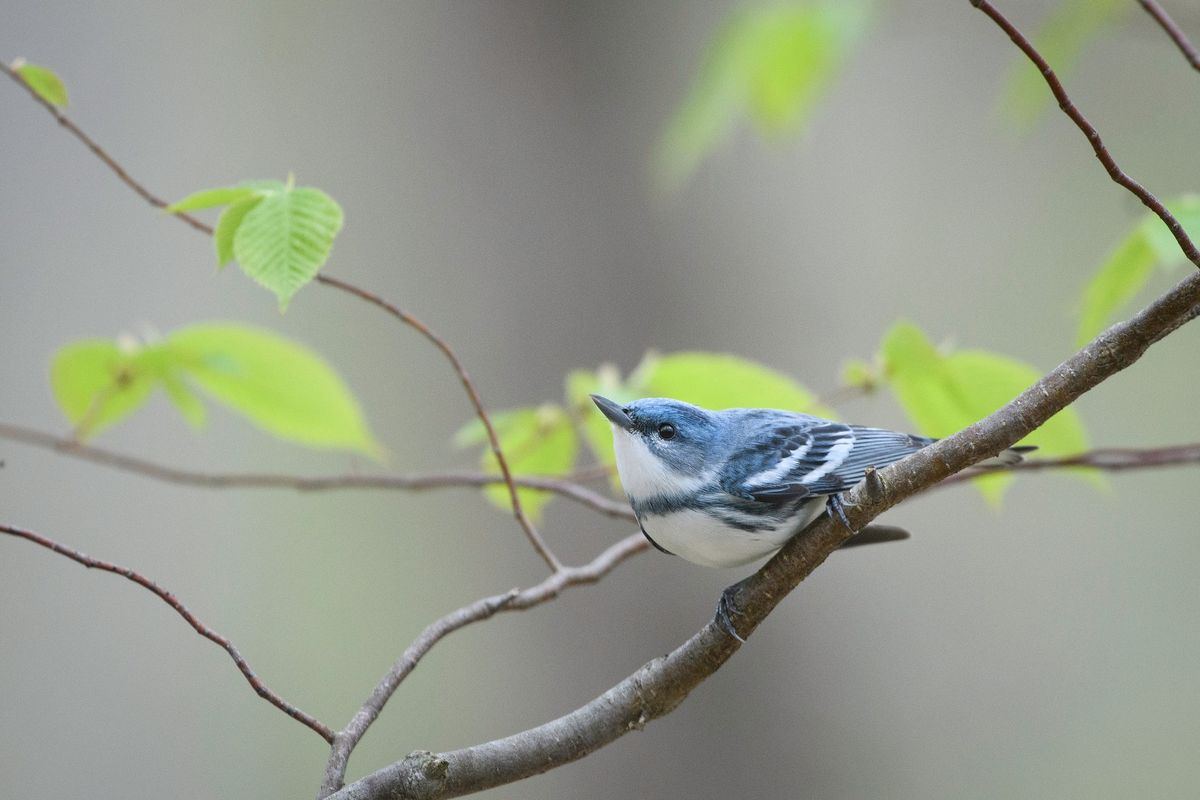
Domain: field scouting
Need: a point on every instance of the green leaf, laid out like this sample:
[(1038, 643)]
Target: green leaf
[(719, 380), (535, 441), (44, 83), (580, 385), (227, 226), (775, 63), (183, 398), (1127, 270), (211, 198), (97, 384), (284, 240), (943, 394), (1060, 39), (280, 386), (858, 374)]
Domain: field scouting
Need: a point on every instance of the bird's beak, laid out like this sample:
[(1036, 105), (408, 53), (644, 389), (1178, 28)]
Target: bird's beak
[(613, 411)]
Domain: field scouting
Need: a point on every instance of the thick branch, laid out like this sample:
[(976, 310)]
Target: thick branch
[(662, 684), (514, 600), (260, 688)]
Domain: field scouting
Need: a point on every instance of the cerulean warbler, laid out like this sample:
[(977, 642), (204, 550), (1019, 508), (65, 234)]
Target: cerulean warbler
[(723, 488)]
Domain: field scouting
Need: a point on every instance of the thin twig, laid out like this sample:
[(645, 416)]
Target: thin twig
[(527, 526), (346, 739), (531, 533), (256, 683), (1111, 459), (214, 480), (1093, 136), (1174, 31), (100, 152)]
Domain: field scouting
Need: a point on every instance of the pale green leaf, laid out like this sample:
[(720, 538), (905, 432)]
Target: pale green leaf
[(44, 83), (719, 380), (96, 384), (774, 63), (943, 394), (183, 398), (535, 441), (1060, 39), (211, 198), (227, 226), (858, 374), (280, 386), (1127, 270), (581, 384), (284, 240)]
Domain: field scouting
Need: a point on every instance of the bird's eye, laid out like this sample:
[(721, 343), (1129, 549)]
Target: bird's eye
[(666, 431)]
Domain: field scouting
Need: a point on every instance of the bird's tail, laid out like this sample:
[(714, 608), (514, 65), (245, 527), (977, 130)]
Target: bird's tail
[(1006, 458)]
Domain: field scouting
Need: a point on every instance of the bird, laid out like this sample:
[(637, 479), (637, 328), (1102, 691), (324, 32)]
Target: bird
[(724, 488)]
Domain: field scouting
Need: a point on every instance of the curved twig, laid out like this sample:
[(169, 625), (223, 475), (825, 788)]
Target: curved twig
[(1174, 31), (523, 520), (260, 688)]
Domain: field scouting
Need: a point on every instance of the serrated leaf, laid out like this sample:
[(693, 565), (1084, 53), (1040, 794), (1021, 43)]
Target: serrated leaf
[(96, 384), (719, 380), (211, 198), (285, 240), (44, 83), (1060, 39), (773, 62), (943, 394), (1127, 270), (227, 226), (535, 441), (280, 386)]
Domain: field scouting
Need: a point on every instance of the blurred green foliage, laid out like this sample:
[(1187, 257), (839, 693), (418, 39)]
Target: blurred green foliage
[(280, 386), (944, 392), (773, 63), (43, 81), (1060, 39), (1127, 269)]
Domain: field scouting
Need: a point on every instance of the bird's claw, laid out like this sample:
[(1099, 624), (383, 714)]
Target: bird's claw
[(726, 610), (837, 509)]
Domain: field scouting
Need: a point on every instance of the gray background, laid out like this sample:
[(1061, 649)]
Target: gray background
[(492, 161)]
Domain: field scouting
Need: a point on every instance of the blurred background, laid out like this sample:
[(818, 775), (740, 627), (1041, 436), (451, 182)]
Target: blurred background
[(495, 164)]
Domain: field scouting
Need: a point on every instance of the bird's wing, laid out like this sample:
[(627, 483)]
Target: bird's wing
[(787, 462)]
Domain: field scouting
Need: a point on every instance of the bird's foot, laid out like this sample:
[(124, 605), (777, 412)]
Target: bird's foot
[(837, 509), (726, 610)]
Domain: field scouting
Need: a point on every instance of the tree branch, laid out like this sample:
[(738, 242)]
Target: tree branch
[(256, 683), (659, 686), (523, 520), (1114, 459), (212, 480), (535, 539), (515, 600), (1174, 31)]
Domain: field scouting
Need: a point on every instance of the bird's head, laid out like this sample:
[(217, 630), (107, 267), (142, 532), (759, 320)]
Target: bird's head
[(663, 446)]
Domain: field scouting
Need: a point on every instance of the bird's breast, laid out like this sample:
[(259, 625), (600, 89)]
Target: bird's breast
[(702, 538)]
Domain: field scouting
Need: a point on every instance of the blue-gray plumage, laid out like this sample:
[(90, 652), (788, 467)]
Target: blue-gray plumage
[(723, 488)]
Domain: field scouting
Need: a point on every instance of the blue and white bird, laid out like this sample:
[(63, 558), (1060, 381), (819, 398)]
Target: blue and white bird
[(723, 488)]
